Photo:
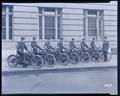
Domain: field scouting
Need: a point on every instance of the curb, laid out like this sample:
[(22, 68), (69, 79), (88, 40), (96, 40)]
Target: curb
[(56, 70)]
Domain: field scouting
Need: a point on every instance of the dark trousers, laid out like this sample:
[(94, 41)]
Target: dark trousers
[(22, 57), (105, 55)]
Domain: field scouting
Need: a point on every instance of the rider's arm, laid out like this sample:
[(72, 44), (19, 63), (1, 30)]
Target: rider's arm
[(25, 47)]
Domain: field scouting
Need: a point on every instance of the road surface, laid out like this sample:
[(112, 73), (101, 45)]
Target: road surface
[(90, 81)]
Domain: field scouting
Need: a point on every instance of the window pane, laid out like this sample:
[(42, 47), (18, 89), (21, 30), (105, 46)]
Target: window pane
[(84, 26), (10, 33), (50, 27), (3, 10), (59, 11), (40, 27), (49, 9), (92, 12), (58, 30), (10, 9), (10, 20), (40, 10), (92, 28), (3, 20), (3, 33)]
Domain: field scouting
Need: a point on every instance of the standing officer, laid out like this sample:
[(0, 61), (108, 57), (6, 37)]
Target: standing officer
[(72, 44), (35, 46), (92, 44), (84, 46), (60, 45), (21, 46), (48, 46), (105, 48)]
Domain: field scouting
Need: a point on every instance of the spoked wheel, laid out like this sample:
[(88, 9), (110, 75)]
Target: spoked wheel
[(64, 59), (50, 60), (85, 57), (96, 57), (12, 61), (37, 62), (74, 58)]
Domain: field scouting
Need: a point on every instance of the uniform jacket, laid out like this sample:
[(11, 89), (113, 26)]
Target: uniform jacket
[(48, 45), (105, 46), (72, 44), (60, 45), (83, 45), (92, 44), (21, 46), (34, 45)]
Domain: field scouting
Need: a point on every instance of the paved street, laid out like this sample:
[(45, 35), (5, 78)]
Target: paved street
[(91, 81)]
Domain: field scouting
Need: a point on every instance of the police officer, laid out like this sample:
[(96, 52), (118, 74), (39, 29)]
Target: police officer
[(92, 44), (105, 48), (84, 46), (35, 46), (60, 45), (21, 46), (48, 46), (72, 44)]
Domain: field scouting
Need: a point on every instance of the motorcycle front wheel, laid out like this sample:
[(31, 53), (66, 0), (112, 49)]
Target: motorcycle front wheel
[(50, 60), (37, 62), (12, 60), (64, 59)]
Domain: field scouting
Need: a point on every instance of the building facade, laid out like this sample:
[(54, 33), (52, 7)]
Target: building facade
[(56, 20)]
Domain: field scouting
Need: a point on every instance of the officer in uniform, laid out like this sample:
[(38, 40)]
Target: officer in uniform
[(48, 46), (60, 45), (92, 44), (72, 44), (35, 46), (21, 46), (105, 48), (84, 46)]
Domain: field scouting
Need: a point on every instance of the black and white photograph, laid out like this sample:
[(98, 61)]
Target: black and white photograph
[(50, 48)]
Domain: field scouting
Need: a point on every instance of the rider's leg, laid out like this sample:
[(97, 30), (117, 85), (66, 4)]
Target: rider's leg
[(105, 55)]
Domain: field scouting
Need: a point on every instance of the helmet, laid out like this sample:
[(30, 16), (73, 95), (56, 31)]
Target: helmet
[(22, 38), (73, 39), (34, 38)]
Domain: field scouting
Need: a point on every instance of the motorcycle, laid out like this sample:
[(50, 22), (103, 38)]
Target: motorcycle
[(48, 57), (74, 56), (29, 58), (61, 57)]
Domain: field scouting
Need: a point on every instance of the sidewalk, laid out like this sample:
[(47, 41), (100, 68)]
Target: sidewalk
[(6, 69)]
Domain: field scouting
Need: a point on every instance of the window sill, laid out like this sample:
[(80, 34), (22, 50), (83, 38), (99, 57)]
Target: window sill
[(7, 40)]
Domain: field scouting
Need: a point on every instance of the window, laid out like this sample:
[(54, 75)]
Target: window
[(7, 22), (49, 23), (93, 24)]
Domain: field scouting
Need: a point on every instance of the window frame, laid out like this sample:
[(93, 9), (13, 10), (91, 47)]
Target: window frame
[(86, 16), (7, 26), (56, 23)]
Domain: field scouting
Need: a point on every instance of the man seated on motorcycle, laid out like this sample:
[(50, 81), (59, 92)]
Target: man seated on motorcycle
[(92, 44), (84, 46), (48, 46), (60, 45), (35, 46), (72, 45), (105, 48), (21, 46)]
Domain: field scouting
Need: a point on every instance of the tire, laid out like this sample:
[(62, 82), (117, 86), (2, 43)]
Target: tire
[(109, 57), (96, 57), (50, 60), (85, 57), (37, 62), (12, 61), (64, 57), (74, 58)]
